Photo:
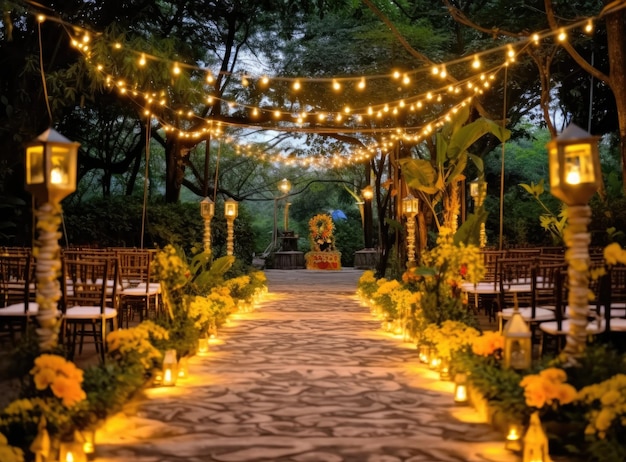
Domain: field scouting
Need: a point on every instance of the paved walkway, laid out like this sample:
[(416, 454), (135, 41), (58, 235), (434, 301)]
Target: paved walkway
[(308, 377)]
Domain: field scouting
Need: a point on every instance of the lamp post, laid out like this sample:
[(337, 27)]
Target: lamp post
[(284, 186), (410, 209), (51, 161), (575, 176), (230, 211), (207, 211), (478, 191), (368, 195)]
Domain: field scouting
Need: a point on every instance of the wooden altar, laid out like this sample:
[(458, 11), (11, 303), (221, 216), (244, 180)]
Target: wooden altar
[(328, 260)]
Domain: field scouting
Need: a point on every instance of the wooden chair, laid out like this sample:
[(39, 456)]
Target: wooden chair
[(17, 292), (612, 298), (139, 293), (89, 300)]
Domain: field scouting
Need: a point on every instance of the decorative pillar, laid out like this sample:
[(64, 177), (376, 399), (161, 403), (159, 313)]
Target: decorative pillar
[(230, 210), (478, 191), (207, 210), (410, 208), (575, 176), (51, 161)]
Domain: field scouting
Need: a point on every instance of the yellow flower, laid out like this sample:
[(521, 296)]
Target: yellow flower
[(613, 254), (554, 374)]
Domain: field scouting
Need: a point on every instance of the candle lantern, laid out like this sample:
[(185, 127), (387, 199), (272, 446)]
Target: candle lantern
[(170, 372), (444, 369), (478, 191), (207, 211), (517, 342), (51, 161), (230, 211), (183, 368), (72, 451), (203, 345), (423, 353), (460, 388), (513, 438), (574, 165), (536, 447)]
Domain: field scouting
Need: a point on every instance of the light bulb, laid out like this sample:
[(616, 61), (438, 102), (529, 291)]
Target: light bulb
[(476, 62)]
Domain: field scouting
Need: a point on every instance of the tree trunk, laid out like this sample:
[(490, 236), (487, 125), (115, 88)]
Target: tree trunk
[(616, 38), (174, 172)]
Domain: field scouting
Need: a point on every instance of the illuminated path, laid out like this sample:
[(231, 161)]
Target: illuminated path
[(308, 377)]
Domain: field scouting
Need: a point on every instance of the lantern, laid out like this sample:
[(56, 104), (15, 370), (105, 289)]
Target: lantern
[(72, 451), (478, 190), (444, 369), (513, 438), (230, 209), (203, 345), (410, 206), (183, 368), (535, 442), (284, 186), (207, 208), (169, 373), (574, 165), (368, 193), (460, 388), (423, 353), (517, 342), (51, 161), (88, 438)]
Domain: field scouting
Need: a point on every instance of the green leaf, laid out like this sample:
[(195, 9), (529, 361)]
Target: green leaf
[(469, 232), (419, 174)]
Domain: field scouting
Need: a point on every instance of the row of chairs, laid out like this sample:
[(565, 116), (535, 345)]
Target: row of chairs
[(101, 290), (537, 282)]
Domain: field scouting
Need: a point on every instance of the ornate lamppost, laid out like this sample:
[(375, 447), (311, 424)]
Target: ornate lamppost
[(410, 209), (575, 176), (284, 186), (51, 161), (207, 211), (230, 211), (478, 191), (368, 194)]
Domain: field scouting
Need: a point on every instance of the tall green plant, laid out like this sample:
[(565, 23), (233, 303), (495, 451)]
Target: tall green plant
[(438, 179)]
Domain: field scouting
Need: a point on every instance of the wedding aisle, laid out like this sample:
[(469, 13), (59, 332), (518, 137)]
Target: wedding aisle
[(307, 377)]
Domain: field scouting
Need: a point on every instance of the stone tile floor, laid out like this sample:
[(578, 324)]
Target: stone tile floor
[(307, 377)]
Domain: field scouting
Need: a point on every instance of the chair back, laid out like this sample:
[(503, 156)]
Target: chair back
[(515, 277), (135, 267), (89, 282), (16, 279)]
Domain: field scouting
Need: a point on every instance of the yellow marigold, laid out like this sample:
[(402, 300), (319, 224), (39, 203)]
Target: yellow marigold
[(553, 374), (614, 254), (488, 343), (62, 376), (69, 391), (547, 387)]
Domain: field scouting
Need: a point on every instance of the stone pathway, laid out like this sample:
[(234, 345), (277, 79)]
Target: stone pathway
[(308, 377)]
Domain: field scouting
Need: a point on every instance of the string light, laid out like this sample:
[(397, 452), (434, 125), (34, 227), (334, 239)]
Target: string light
[(562, 35), (589, 27), (476, 64)]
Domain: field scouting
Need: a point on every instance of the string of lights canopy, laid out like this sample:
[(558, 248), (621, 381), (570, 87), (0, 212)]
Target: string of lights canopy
[(395, 118)]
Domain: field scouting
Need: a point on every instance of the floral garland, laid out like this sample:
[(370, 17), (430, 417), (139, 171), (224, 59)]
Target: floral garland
[(321, 228)]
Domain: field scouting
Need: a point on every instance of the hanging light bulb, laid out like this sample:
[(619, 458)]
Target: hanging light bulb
[(443, 73), (589, 27), (406, 79), (336, 85), (176, 69), (562, 35), (296, 85), (396, 75), (476, 62), (361, 84), (535, 38), (265, 80), (510, 53), (142, 60)]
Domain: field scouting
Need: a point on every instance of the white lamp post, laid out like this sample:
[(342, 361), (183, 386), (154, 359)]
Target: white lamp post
[(410, 208), (51, 162), (230, 211), (284, 186), (207, 211), (575, 176)]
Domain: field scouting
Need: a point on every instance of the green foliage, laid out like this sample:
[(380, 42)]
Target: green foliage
[(553, 223)]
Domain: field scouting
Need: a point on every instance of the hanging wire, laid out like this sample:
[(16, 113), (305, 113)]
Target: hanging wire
[(43, 75), (217, 168), (504, 110), (146, 180)]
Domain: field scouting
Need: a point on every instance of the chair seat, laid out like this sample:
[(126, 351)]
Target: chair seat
[(618, 324), (79, 313), (551, 327), (17, 309), (541, 314), (140, 291)]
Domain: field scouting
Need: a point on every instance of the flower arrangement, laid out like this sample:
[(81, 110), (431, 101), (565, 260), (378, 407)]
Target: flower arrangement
[(321, 230), (548, 387), (383, 297), (450, 337), (62, 377), (490, 343), (607, 401), (367, 285), (136, 344), (9, 453)]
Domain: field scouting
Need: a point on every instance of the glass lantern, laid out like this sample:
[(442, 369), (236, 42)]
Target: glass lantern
[(574, 165), (72, 451), (231, 209), (170, 369), (460, 388), (410, 206), (284, 186), (517, 342), (51, 161), (207, 208)]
